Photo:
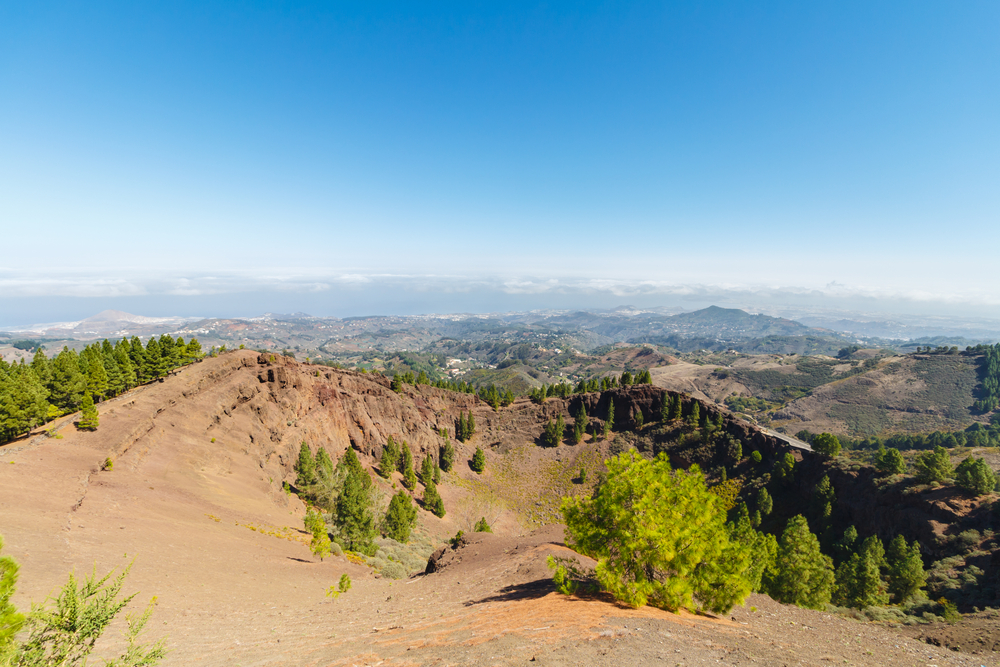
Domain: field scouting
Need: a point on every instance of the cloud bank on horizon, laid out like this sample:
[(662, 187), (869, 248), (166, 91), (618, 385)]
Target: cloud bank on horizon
[(185, 158)]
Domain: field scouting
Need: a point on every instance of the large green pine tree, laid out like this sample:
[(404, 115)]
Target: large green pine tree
[(354, 516), (803, 574), (859, 578), (137, 353), (67, 385), (97, 375), (659, 537), (23, 403), (906, 569)]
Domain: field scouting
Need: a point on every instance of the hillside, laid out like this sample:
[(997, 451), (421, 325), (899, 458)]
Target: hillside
[(195, 497), (869, 394)]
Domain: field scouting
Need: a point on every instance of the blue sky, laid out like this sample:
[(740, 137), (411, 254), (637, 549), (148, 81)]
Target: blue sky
[(170, 152)]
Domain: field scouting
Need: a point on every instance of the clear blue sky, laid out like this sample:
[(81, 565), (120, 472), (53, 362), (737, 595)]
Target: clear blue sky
[(180, 149)]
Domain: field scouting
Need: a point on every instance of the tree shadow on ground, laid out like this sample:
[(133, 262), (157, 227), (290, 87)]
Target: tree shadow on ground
[(530, 590)]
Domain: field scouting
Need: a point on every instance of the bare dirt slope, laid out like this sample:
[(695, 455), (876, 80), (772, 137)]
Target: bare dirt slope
[(215, 538)]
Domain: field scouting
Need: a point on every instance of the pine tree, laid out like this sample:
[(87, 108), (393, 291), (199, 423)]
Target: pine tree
[(933, 466), (350, 465), (406, 467), (889, 461), (639, 419), (23, 403), (975, 477), (447, 456), (68, 384), (354, 516), (137, 353), (42, 367), (97, 376), (695, 415), (482, 526), (826, 444), (677, 408), (432, 499), (324, 464), (89, 420), (124, 362), (116, 380), (665, 407), (193, 350), (479, 460), (470, 425), (387, 462), (859, 578), (610, 421), (580, 423), (400, 517), (155, 367), (305, 467), (427, 470), (906, 569), (642, 524), (803, 575), (764, 502), (785, 469)]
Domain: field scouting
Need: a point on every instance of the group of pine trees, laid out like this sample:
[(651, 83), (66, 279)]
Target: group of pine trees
[(32, 394), (989, 371), (671, 409), (343, 496), (976, 435), (686, 550), (594, 384)]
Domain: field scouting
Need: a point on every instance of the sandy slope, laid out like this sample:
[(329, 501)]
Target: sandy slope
[(181, 506)]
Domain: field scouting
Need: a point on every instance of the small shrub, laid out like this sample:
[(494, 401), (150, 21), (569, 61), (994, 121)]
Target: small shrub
[(345, 583), (108, 464), (212, 440), (756, 456), (969, 538)]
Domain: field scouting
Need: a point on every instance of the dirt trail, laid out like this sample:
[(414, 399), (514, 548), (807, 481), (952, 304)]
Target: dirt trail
[(215, 538)]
